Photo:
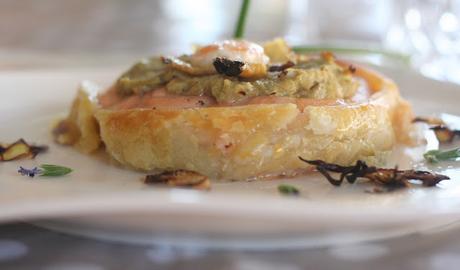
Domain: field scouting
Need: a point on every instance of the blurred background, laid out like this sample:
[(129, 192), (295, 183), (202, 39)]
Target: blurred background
[(420, 34)]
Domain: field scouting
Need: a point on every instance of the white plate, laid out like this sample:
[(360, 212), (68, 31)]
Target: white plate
[(101, 200)]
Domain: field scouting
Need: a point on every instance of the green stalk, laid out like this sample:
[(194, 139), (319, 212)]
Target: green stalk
[(239, 30), (313, 49)]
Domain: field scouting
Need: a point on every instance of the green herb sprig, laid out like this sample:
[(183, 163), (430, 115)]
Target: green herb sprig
[(435, 156), (241, 23), (45, 170), (288, 190), (54, 170)]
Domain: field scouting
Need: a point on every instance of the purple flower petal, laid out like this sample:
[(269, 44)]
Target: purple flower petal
[(29, 172)]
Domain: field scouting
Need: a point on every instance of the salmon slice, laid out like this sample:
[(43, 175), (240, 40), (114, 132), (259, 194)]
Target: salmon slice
[(160, 98)]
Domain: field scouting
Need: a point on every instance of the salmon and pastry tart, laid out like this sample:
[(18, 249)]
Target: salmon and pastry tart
[(237, 110)]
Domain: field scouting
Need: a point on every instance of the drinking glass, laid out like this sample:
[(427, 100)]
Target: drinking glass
[(429, 30)]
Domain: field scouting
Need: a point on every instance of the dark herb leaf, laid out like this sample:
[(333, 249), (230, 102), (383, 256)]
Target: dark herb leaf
[(288, 190)]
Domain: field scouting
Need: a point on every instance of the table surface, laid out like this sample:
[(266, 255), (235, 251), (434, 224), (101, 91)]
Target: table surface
[(24, 246), (71, 33)]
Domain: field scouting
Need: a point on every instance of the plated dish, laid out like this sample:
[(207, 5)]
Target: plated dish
[(237, 110), (102, 199)]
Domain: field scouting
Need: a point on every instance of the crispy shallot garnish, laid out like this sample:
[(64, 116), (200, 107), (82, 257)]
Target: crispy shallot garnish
[(66, 132), (441, 130), (445, 134), (279, 68), (433, 121), (390, 178), (180, 178), (20, 150)]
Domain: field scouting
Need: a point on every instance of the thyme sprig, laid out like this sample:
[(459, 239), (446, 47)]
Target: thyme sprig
[(45, 170), (435, 156)]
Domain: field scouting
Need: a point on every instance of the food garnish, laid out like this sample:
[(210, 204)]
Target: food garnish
[(45, 170), (429, 120), (390, 178), (441, 130), (66, 132), (180, 178), (216, 111), (444, 134), (393, 55), (288, 190), (228, 67), (29, 172), (435, 156), (239, 30), (280, 68), (20, 150)]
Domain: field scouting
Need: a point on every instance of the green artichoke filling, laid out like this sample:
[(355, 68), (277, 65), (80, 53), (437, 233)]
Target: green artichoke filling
[(312, 78)]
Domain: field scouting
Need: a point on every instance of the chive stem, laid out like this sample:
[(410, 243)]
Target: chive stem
[(390, 54), (239, 30)]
